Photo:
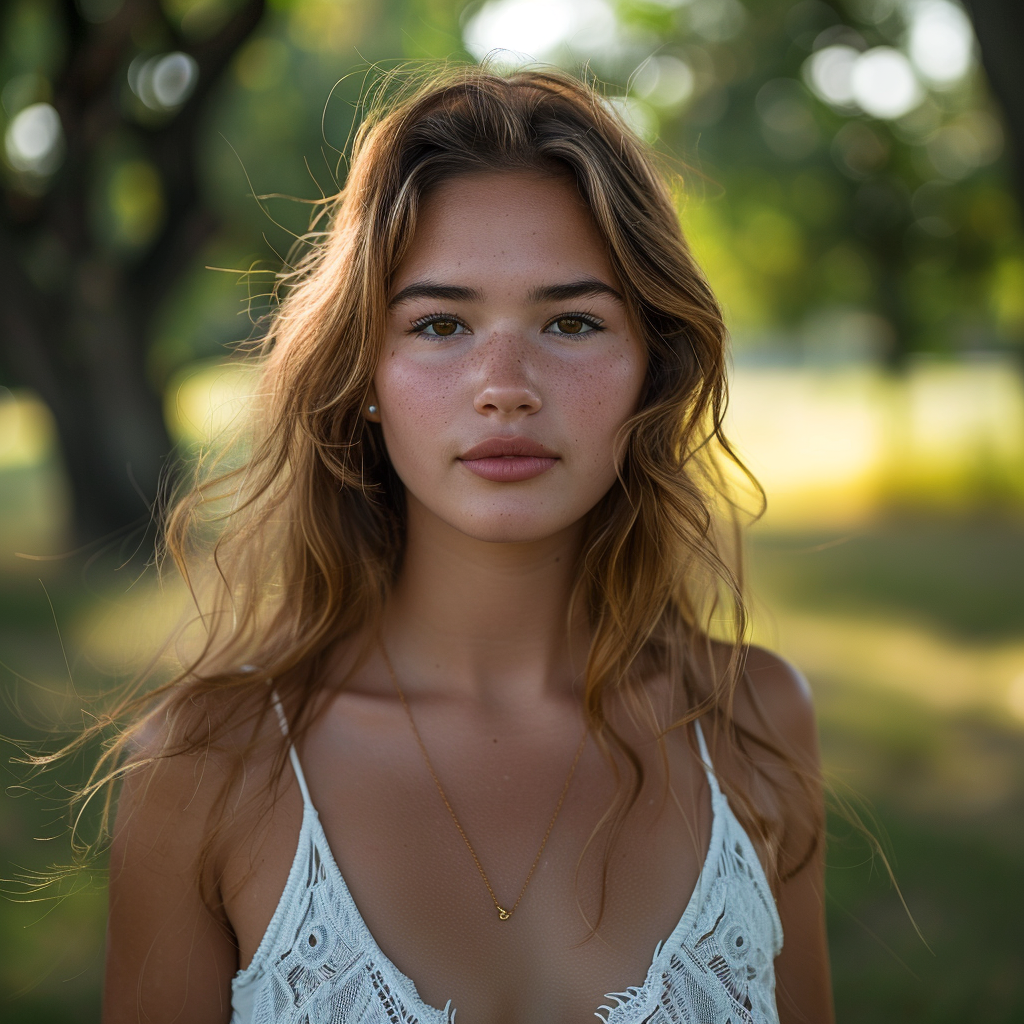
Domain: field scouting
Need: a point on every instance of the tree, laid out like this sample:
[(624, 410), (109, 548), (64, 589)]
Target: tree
[(79, 304), (843, 233), (999, 26)]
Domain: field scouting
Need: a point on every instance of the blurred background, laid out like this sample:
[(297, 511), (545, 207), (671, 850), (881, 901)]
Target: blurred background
[(848, 181)]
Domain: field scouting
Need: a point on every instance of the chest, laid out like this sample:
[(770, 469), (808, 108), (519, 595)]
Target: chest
[(414, 882)]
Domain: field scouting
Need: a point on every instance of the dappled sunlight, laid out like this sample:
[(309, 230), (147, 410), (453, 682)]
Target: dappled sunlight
[(908, 659), (837, 446), (205, 400)]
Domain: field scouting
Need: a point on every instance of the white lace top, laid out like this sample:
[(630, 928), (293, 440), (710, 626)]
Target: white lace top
[(319, 964)]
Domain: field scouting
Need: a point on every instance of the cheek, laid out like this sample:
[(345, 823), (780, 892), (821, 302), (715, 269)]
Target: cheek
[(415, 399), (587, 400), (600, 397)]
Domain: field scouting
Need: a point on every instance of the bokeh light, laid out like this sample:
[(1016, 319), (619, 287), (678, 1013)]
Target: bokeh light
[(941, 41), (540, 29), (664, 80), (829, 72), (883, 83), (34, 141), (163, 82)]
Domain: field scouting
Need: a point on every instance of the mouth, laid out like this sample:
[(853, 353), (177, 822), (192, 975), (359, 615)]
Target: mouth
[(508, 459)]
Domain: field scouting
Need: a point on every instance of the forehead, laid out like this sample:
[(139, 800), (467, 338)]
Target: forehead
[(505, 227)]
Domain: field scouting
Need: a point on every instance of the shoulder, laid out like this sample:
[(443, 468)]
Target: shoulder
[(764, 746), (171, 946), (185, 765), (773, 700)]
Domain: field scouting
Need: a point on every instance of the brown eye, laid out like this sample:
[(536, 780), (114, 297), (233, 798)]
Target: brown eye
[(569, 325), (444, 327)]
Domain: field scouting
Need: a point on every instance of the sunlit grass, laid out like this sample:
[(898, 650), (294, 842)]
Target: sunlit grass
[(839, 446), (904, 658)]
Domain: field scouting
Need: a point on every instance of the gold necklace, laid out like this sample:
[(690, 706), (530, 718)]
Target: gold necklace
[(503, 914)]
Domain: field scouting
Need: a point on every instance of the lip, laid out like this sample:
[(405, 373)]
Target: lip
[(508, 459), (508, 447)]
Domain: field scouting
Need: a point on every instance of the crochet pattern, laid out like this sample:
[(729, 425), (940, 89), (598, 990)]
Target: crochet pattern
[(318, 963)]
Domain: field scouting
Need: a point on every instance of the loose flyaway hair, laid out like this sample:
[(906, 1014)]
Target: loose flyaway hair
[(291, 536)]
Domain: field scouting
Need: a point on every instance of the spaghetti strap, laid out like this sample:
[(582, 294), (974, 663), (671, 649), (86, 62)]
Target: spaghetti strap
[(292, 753), (318, 961), (709, 768)]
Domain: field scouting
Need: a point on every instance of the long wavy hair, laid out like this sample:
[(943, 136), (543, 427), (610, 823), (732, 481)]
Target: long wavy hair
[(291, 538)]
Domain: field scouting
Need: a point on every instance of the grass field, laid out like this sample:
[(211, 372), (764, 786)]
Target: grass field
[(912, 634)]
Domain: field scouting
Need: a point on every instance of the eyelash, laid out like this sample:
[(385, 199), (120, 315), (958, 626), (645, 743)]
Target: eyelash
[(419, 326), (594, 322)]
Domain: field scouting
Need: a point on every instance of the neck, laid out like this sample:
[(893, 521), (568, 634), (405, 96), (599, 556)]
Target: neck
[(485, 620)]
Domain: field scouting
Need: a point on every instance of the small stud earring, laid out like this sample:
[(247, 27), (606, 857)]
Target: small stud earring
[(371, 409)]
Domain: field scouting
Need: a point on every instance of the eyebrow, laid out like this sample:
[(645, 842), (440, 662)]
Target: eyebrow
[(432, 290), (573, 290), (546, 293)]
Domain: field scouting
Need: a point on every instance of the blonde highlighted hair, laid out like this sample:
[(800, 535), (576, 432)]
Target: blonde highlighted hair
[(293, 544)]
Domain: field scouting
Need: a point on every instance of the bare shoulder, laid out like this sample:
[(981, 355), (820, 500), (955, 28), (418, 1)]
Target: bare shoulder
[(180, 764), (171, 950), (772, 754), (774, 702)]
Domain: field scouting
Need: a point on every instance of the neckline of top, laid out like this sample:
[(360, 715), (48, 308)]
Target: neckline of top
[(311, 824), (307, 800)]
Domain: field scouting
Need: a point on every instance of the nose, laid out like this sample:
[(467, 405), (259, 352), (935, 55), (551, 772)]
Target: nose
[(506, 388)]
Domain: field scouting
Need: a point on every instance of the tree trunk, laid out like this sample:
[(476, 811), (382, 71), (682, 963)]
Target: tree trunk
[(82, 356), (76, 321), (999, 26)]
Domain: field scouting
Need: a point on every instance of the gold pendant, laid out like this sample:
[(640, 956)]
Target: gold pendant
[(503, 915)]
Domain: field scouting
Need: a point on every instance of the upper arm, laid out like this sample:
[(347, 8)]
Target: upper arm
[(169, 958), (783, 702)]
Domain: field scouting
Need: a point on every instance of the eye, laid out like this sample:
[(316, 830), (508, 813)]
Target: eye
[(441, 328), (438, 325), (575, 324)]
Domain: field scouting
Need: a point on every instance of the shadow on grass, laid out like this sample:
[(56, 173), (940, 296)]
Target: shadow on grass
[(956, 854), (964, 578)]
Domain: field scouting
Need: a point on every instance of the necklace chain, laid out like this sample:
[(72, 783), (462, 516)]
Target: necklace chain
[(503, 914)]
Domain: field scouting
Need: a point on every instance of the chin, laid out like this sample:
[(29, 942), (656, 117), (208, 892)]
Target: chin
[(502, 518), (512, 522), (509, 530)]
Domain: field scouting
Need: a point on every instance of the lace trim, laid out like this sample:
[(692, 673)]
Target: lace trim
[(318, 962)]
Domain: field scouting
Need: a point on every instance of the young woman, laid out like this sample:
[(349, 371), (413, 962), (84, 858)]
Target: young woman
[(474, 726)]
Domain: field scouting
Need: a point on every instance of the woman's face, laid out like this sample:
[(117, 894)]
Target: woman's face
[(508, 363)]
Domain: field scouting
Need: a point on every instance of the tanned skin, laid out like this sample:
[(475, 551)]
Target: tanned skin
[(476, 631)]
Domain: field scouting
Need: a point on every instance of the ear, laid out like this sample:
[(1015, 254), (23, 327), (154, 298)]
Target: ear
[(371, 406)]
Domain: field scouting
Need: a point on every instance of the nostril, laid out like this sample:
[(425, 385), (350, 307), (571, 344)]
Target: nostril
[(512, 398)]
